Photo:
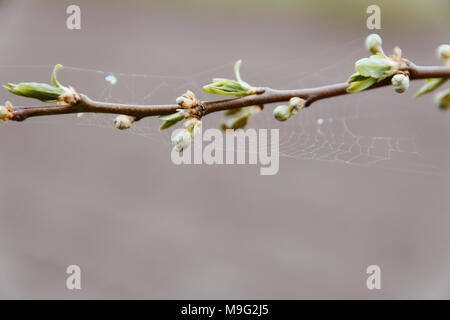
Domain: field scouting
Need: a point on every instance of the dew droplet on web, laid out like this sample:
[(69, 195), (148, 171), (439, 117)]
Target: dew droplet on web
[(111, 79), (319, 121)]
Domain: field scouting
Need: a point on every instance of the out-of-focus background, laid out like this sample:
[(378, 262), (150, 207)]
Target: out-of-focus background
[(78, 191)]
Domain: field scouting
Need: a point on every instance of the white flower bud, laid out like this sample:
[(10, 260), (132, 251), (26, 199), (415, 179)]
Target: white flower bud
[(181, 140), (123, 122), (297, 103), (400, 82), (443, 51), (282, 113), (373, 43), (187, 100)]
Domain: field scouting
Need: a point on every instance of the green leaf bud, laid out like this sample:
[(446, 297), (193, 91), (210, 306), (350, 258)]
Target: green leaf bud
[(376, 66), (282, 113), (41, 91), (229, 87)]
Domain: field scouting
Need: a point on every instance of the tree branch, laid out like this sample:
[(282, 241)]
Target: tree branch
[(86, 105)]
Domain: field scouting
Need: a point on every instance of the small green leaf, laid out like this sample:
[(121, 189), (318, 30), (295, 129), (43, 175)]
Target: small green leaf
[(430, 85), (358, 86), (54, 79), (231, 112), (170, 120), (41, 91), (238, 122), (237, 73), (356, 77)]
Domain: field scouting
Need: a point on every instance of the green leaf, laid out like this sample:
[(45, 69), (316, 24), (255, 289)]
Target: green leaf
[(240, 122), (54, 79), (41, 91), (443, 99), (228, 87), (377, 66), (170, 120), (237, 73), (430, 85), (356, 77), (236, 123), (358, 86), (231, 112)]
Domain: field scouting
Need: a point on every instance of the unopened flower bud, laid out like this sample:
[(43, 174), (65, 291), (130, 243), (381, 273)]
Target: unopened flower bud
[(400, 82), (443, 99), (443, 51), (123, 122), (6, 112), (373, 43), (187, 100), (182, 140), (297, 103), (282, 113)]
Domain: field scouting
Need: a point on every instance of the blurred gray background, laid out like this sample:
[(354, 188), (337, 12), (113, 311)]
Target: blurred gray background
[(77, 191)]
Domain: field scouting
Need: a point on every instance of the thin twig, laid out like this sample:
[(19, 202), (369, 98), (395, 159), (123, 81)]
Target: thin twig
[(86, 105)]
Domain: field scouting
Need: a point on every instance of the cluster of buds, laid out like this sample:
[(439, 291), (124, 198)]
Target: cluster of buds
[(191, 110), (54, 92), (400, 82), (6, 112), (182, 140), (376, 67), (284, 112), (238, 118), (123, 122)]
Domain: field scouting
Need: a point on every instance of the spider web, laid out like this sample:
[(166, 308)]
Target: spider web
[(332, 130)]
